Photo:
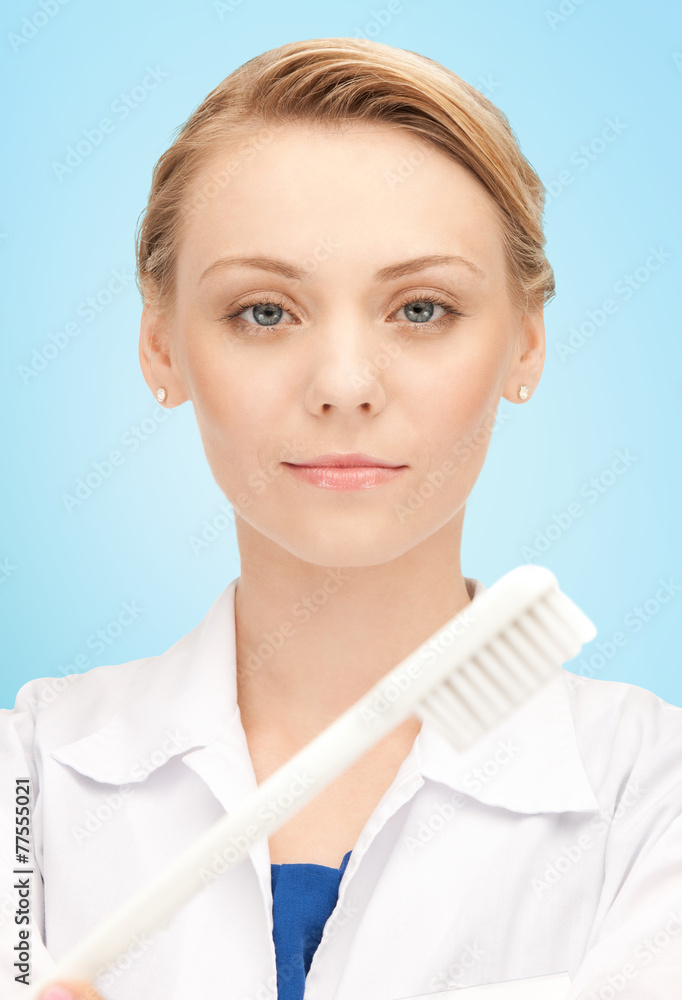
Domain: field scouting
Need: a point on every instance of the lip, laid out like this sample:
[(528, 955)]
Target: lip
[(351, 460), (345, 472)]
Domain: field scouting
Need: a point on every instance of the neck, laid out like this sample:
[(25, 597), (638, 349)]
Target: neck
[(311, 640)]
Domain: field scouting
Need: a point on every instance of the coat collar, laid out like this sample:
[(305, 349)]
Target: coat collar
[(186, 698)]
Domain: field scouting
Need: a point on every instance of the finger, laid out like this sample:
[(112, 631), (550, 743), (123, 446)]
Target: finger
[(71, 990)]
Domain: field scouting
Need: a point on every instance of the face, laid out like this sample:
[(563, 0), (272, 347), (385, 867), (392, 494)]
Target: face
[(345, 292)]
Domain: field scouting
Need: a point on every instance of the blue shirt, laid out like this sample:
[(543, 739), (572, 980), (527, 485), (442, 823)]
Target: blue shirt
[(303, 897)]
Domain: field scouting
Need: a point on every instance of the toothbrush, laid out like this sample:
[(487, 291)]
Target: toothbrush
[(473, 672)]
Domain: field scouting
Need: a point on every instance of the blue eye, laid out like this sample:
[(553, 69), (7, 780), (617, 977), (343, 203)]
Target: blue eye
[(420, 310), (268, 312)]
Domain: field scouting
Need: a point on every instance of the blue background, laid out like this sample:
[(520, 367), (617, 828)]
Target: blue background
[(560, 78)]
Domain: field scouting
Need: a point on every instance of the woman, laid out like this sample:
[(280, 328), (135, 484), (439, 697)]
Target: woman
[(342, 269)]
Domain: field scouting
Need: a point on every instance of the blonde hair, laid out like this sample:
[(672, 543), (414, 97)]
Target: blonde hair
[(336, 82)]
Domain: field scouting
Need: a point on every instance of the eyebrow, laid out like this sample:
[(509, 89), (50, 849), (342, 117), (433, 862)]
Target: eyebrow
[(384, 274)]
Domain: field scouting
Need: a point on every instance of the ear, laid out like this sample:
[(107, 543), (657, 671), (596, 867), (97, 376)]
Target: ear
[(158, 360), (529, 358)]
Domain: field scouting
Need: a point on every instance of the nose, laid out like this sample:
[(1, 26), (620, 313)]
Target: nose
[(344, 376)]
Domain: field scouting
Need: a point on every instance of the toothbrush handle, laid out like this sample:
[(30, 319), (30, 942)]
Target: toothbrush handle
[(230, 838), (380, 710)]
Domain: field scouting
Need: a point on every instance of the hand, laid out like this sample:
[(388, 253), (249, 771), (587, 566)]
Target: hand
[(72, 990)]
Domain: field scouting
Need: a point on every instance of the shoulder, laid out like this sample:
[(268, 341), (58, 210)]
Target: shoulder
[(627, 736), (72, 704), (52, 711), (621, 712), (94, 695)]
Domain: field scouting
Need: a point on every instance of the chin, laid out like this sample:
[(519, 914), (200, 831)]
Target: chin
[(358, 540)]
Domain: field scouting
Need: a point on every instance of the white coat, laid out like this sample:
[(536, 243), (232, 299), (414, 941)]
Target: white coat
[(553, 845)]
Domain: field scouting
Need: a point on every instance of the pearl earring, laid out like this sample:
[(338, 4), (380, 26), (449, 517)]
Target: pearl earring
[(160, 394), (523, 392)]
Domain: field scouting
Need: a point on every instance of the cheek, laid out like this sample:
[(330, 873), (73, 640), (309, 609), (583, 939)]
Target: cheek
[(452, 396), (223, 401), (238, 411)]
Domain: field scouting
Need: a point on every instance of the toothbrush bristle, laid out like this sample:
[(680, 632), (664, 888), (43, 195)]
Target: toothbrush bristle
[(482, 691)]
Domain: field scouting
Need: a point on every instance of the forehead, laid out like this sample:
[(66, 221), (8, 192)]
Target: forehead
[(371, 191)]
